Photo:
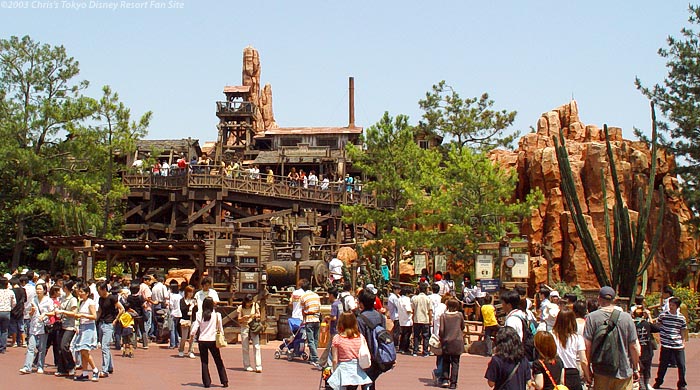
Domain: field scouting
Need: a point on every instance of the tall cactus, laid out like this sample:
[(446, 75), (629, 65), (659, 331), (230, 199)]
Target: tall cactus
[(625, 243)]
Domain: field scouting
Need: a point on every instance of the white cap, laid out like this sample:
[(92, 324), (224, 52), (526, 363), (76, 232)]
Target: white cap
[(7, 276), (24, 271), (371, 288)]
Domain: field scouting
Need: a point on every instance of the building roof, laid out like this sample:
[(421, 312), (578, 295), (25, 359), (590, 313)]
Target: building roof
[(167, 144), (237, 89), (311, 131)]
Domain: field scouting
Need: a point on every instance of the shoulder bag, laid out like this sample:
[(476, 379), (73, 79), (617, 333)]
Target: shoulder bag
[(220, 339), (255, 326), (364, 357), (556, 386), (510, 376)]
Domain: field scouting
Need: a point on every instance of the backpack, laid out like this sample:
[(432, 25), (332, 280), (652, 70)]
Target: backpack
[(528, 340), (381, 346), (605, 347), (17, 311)]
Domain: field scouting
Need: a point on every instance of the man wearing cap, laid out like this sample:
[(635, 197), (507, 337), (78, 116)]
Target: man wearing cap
[(628, 370), (550, 310)]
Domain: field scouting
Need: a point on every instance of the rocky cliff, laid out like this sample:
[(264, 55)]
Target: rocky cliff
[(264, 117), (551, 229)]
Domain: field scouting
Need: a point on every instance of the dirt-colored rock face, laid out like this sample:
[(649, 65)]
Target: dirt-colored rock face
[(551, 225), (264, 117)]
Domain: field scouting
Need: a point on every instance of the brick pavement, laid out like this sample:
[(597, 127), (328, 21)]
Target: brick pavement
[(160, 368)]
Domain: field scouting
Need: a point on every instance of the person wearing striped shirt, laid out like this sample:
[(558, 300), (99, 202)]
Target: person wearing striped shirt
[(311, 310), (672, 328)]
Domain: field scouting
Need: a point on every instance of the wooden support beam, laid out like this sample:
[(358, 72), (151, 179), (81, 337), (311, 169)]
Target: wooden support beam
[(136, 210), (157, 211), (201, 212)]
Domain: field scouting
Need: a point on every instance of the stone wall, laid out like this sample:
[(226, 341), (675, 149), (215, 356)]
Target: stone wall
[(536, 164)]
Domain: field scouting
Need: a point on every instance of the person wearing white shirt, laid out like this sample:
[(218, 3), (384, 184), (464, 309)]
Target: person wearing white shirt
[(175, 314), (435, 297), (165, 168), (295, 320), (335, 267), (510, 300), (206, 291), (405, 320), (325, 183), (392, 306), (208, 322)]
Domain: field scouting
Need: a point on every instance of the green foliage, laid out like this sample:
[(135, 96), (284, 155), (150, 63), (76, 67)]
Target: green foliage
[(652, 299), (677, 99), (565, 288), (467, 122), (56, 160), (101, 269)]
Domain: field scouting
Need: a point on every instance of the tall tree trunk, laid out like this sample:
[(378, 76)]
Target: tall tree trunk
[(19, 243)]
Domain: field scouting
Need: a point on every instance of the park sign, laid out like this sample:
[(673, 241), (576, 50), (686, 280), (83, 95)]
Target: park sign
[(484, 266)]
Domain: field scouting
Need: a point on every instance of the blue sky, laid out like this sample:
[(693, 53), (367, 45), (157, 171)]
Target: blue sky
[(530, 56)]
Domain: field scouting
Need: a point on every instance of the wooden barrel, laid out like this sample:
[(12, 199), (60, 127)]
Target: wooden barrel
[(283, 330)]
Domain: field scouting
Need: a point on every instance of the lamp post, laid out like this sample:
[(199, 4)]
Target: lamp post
[(693, 267), (296, 254)]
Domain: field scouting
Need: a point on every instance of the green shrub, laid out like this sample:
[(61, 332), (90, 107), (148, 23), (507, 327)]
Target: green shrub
[(564, 288)]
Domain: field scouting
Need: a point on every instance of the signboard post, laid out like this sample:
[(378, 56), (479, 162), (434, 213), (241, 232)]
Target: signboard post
[(484, 266)]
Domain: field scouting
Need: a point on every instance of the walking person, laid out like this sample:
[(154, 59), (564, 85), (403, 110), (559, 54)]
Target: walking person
[(53, 330), (109, 309), (175, 314), (571, 349), (7, 302), (672, 329), (548, 370), (508, 368), (644, 333), (326, 359), (188, 309), (36, 344), (422, 317), (136, 305), (488, 316), (452, 342), (311, 310), (245, 313), (405, 320), (208, 322), (66, 364), (347, 373), (86, 337)]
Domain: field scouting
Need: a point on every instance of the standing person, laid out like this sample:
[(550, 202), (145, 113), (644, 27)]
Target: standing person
[(17, 313), (346, 349), (644, 334), (508, 368), (438, 311), (86, 337), (548, 370), (41, 305), (393, 313), (672, 328), (206, 291), (137, 308), (246, 312), (606, 376), (332, 322), (296, 318), (66, 365), (422, 314), (368, 320), (159, 302), (311, 309), (109, 309), (208, 322), (405, 320), (146, 293), (550, 310), (188, 308), (580, 312), (452, 342), (7, 302), (54, 329), (335, 268), (488, 315), (175, 314), (571, 349)]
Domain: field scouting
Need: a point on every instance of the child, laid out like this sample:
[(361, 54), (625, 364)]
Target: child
[(644, 334), (548, 371), (127, 332), (672, 327)]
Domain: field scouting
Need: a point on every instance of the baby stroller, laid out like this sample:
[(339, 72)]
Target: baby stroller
[(287, 348)]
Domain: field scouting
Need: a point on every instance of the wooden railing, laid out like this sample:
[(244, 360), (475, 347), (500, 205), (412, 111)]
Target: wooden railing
[(235, 108), (335, 194)]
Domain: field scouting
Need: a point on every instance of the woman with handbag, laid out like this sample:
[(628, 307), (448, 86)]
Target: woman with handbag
[(188, 307), (86, 337), (548, 371), (65, 366), (508, 368), (350, 352), (211, 329), (36, 342), (248, 315), (452, 342)]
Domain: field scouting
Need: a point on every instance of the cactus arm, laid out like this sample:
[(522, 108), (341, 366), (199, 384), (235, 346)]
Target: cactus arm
[(609, 240), (657, 233)]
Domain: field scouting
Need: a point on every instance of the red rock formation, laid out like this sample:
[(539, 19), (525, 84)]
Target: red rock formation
[(264, 117), (537, 167)]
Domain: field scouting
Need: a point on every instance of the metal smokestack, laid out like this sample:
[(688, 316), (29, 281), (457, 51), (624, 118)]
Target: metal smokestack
[(351, 102)]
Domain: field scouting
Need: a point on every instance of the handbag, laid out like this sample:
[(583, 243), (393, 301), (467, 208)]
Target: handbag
[(364, 358), (435, 345), (185, 323), (255, 326), (220, 339), (556, 386)]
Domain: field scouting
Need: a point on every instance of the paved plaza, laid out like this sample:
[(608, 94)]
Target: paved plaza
[(160, 368)]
